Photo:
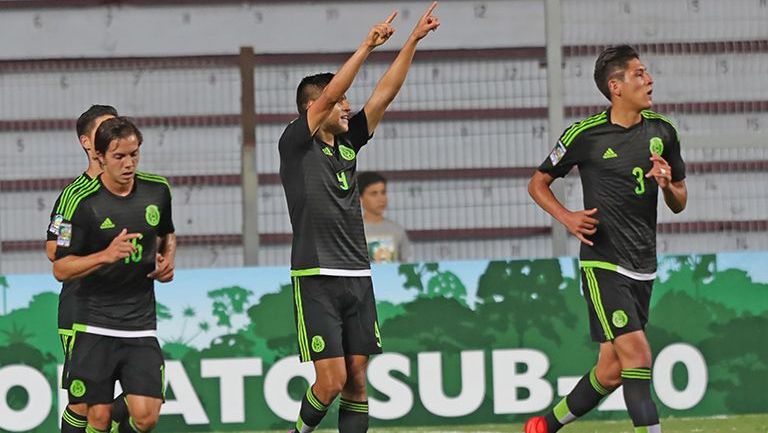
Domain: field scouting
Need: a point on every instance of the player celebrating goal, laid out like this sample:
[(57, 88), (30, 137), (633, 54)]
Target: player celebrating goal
[(625, 155), (333, 294)]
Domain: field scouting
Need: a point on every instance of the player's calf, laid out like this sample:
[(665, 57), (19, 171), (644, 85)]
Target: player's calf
[(637, 394)]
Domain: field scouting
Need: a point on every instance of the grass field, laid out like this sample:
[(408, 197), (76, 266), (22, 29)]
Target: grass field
[(721, 424)]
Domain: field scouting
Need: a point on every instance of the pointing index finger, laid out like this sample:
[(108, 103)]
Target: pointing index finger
[(391, 18), (430, 9)]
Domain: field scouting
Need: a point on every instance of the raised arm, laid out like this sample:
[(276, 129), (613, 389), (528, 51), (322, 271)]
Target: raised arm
[(389, 84), (334, 92)]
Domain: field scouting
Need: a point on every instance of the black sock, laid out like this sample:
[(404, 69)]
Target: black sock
[(353, 416), (637, 395), (129, 426), (311, 413), (119, 410), (72, 422), (586, 395)]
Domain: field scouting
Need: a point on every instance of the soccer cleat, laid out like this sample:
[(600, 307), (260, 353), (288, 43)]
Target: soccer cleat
[(536, 424)]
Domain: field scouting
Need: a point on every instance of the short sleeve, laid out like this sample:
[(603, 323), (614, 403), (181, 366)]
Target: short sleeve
[(562, 158), (73, 234), (54, 222), (672, 155), (296, 137), (166, 215), (358, 134)]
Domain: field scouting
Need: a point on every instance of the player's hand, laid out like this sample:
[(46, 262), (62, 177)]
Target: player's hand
[(163, 269), (661, 171), (121, 246), (381, 33), (426, 23), (582, 224)]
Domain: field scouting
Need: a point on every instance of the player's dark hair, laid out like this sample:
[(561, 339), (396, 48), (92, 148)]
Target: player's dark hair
[(85, 122), (114, 129), (310, 88), (610, 64), (368, 178)]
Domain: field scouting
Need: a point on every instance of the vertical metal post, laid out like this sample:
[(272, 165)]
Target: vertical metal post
[(249, 173), (555, 94)]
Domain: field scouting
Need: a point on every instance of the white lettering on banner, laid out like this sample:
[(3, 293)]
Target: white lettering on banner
[(697, 376), (187, 404), (472, 384), (39, 398), (276, 386), (384, 375), (400, 395), (231, 373), (507, 380)]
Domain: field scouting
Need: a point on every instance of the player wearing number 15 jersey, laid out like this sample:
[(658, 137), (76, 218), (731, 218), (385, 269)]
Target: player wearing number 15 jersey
[(115, 239), (624, 155)]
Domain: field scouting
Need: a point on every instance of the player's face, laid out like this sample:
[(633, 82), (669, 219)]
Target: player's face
[(337, 121), (374, 199), (87, 140), (637, 86), (121, 160)]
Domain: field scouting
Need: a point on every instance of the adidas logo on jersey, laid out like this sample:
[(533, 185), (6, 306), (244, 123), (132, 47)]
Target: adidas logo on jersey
[(107, 224), (610, 154)]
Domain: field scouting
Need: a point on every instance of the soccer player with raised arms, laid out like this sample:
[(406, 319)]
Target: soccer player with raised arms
[(334, 303), (625, 155)]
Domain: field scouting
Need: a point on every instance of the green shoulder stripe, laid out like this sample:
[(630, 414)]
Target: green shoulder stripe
[(77, 197), (581, 126), (648, 114), (153, 178), (69, 190)]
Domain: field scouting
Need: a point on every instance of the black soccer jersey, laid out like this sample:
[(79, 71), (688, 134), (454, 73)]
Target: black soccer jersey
[(613, 162), (67, 303), (117, 299), (323, 201)]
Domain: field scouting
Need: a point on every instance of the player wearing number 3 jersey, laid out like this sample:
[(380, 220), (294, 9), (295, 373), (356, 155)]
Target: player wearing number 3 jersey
[(115, 239), (624, 155)]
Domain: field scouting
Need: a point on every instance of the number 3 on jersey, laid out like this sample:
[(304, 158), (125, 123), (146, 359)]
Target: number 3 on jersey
[(640, 177), (135, 256), (342, 178)]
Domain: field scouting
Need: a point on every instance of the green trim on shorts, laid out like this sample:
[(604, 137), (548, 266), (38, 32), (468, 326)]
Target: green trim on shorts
[(68, 332), (596, 383), (598, 264), (301, 329), (594, 292), (305, 272)]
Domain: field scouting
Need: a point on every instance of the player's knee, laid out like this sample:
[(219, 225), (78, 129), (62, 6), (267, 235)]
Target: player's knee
[(355, 386), (78, 408), (328, 386), (99, 416), (145, 422)]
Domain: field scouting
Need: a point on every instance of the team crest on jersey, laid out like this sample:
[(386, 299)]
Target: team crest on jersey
[(657, 146), (65, 235), (55, 224), (557, 153), (347, 153), (152, 215)]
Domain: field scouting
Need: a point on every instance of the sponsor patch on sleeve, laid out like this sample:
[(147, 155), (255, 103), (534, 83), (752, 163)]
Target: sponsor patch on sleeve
[(55, 224), (557, 153), (65, 235)]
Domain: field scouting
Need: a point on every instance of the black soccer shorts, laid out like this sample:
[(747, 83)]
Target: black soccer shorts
[(335, 316), (616, 303), (97, 361)]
